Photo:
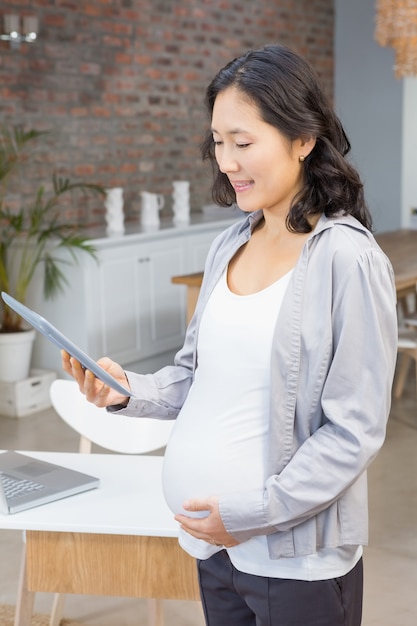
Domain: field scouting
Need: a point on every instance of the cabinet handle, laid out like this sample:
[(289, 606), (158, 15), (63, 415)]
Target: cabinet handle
[(145, 259)]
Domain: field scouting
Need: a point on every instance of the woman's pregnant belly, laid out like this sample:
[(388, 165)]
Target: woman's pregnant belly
[(214, 450)]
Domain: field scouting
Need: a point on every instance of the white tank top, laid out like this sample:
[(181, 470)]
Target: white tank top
[(220, 439)]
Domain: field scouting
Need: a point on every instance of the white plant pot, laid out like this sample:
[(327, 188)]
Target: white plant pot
[(16, 354)]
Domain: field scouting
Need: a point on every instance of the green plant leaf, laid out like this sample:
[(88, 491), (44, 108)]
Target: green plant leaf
[(32, 236)]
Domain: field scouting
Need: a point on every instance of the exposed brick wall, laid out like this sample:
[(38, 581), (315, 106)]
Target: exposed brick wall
[(120, 83)]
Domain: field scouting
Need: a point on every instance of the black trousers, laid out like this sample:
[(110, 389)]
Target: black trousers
[(232, 598)]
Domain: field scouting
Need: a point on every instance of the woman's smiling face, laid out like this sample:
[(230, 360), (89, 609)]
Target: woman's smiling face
[(261, 164)]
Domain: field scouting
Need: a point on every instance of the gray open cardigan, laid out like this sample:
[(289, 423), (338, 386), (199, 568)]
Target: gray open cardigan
[(332, 365)]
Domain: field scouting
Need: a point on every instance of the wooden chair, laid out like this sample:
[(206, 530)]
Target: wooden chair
[(119, 434), (411, 321), (407, 349)]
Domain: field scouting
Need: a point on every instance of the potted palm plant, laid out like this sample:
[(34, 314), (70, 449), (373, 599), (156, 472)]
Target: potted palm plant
[(32, 238)]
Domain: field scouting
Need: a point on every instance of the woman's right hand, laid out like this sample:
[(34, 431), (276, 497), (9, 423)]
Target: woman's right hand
[(94, 389)]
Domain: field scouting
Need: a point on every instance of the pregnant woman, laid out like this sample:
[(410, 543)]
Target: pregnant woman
[(282, 389)]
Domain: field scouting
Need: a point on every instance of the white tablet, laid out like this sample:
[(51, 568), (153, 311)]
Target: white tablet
[(55, 336)]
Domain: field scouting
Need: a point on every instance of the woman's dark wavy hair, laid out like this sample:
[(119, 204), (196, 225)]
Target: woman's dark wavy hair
[(288, 94)]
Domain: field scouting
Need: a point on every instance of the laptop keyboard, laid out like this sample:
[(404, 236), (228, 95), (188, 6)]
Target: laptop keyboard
[(18, 487)]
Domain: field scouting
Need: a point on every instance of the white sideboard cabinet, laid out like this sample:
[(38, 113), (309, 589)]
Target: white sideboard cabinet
[(123, 304)]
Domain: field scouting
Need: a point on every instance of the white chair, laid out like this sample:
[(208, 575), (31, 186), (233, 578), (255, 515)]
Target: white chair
[(407, 348), (127, 435), (119, 434)]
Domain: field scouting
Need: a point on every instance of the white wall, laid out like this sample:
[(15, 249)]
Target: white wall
[(369, 101), (409, 154)]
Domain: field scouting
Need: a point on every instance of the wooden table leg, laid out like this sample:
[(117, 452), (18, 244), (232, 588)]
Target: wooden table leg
[(57, 610), (25, 598), (155, 612), (192, 297)]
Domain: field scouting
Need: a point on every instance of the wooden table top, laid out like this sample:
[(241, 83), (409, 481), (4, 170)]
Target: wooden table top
[(400, 246), (191, 280)]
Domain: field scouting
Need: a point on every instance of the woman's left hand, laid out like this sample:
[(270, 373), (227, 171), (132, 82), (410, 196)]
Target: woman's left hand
[(209, 528)]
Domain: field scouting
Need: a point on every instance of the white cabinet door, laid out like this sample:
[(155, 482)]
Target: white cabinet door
[(112, 302), (197, 247), (161, 305), (135, 310)]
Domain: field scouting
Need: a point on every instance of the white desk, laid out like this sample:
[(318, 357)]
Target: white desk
[(120, 539)]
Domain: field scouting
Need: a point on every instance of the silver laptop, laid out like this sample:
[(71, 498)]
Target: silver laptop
[(27, 482)]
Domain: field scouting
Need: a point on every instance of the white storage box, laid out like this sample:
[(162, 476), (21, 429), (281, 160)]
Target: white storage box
[(27, 396)]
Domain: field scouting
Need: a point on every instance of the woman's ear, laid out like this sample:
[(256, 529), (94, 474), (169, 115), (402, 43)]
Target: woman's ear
[(304, 146)]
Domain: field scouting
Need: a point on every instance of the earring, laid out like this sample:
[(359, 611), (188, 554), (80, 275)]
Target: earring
[(301, 158)]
